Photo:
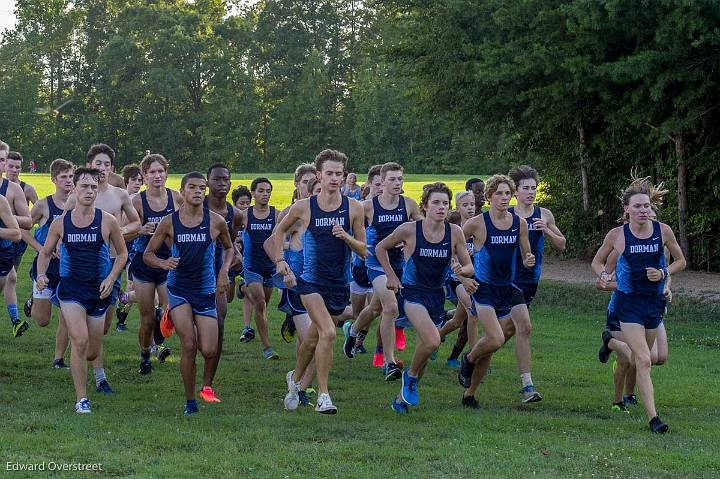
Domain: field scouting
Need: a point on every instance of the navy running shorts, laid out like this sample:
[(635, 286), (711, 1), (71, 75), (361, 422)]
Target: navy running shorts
[(501, 298), (336, 298), (644, 310), (201, 304)]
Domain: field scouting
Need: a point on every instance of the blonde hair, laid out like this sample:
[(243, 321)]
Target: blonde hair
[(492, 184), (462, 194), (643, 186), (4, 146)]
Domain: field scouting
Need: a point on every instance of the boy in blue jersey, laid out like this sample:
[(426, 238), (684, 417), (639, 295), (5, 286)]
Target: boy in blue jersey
[(430, 246), (260, 220), (641, 273), (193, 231), (383, 213), (541, 225), (19, 207), (216, 201), (497, 234), (151, 205), (43, 213), (334, 226), (87, 274)]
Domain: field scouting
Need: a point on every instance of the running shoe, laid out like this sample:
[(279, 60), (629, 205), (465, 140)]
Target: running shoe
[(378, 359), (287, 329), (620, 407), (605, 351), (269, 353), (470, 402), (59, 364), (292, 398), (19, 327), (408, 391), (466, 371), (454, 363), (529, 394), (248, 334), (167, 327), (657, 426), (104, 387), (122, 313), (400, 342), (162, 352), (120, 327), (304, 398), (145, 367), (359, 349), (399, 406), (359, 343), (391, 372), (27, 307), (208, 395), (324, 404), (630, 400), (349, 343), (191, 408), (82, 406)]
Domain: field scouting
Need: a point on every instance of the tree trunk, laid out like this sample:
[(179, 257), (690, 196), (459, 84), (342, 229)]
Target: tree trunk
[(583, 167), (682, 192)]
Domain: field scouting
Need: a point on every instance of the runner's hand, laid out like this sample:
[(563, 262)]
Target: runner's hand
[(455, 266), (290, 280), (148, 228), (106, 287), (339, 232), (469, 284), (654, 274), (529, 260), (667, 292), (393, 283), (171, 263), (41, 282)]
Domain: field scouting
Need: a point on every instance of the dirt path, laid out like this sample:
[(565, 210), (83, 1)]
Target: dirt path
[(700, 285)]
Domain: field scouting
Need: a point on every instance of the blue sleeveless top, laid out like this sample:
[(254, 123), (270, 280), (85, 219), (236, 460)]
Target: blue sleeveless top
[(429, 265), (383, 223), (229, 217), (495, 262), (84, 256), (638, 255), (152, 216), (537, 247), (256, 232), (196, 250), (327, 258), (41, 233)]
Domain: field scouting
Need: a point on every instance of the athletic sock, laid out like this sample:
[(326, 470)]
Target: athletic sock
[(455, 352), (191, 403), (13, 312), (145, 356), (526, 379), (378, 350), (99, 375), (352, 332)]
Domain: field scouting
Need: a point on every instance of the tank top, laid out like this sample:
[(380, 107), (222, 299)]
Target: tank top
[(229, 217), (638, 255), (84, 256), (495, 261), (537, 247), (40, 235), (326, 258), (428, 266), (256, 232), (196, 250), (152, 216), (384, 222)]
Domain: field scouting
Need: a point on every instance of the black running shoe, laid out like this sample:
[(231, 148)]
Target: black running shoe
[(470, 402), (145, 367), (359, 343), (121, 314), (19, 327), (248, 334), (392, 371), (120, 327), (104, 387), (604, 353), (465, 372), (27, 308), (157, 332), (349, 343), (60, 364), (359, 349), (287, 329), (657, 426), (163, 352)]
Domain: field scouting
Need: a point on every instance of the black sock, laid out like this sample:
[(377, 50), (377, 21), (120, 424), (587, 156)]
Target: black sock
[(455, 352)]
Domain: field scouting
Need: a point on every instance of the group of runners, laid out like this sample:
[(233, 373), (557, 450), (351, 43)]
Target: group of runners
[(341, 254)]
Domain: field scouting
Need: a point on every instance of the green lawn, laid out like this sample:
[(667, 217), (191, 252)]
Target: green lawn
[(141, 432)]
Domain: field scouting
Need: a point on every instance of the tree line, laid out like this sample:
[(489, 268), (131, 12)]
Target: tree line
[(586, 91)]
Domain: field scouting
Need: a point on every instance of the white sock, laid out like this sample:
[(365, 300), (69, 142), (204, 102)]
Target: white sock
[(526, 379), (99, 375), (352, 331)]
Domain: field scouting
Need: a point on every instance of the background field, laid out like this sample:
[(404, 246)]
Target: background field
[(141, 432)]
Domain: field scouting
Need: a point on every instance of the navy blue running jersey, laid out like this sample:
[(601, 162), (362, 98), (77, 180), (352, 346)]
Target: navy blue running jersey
[(384, 222), (196, 250), (229, 217), (537, 247), (256, 232), (495, 261), (84, 256), (327, 258), (428, 266), (151, 216), (40, 235), (638, 255)]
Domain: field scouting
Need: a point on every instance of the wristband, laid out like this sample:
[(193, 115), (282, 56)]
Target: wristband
[(278, 260)]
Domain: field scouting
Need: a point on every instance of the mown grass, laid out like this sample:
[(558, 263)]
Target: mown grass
[(141, 432)]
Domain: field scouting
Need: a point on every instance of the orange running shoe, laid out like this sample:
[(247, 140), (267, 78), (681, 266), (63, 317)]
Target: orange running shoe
[(378, 359), (166, 325), (208, 395), (400, 339)]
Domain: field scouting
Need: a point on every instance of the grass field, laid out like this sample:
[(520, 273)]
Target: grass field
[(141, 432)]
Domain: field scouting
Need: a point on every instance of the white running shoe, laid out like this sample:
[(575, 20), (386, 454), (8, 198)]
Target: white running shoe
[(292, 398), (82, 406), (325, 405)]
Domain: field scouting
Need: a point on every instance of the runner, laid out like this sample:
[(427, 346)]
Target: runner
[(429, 247), (43, 213), (351, 188), (192, 284), (328, 220), (241, 198), (87, 274)]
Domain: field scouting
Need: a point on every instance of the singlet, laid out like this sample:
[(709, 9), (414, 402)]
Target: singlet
[(84, 256), (152, 216), (384, 222), (229, 217), (41, 233), (196, 250), (537, 247), (495, 262), (429, 264), (638, 255), (256, 232), (326, 258)]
